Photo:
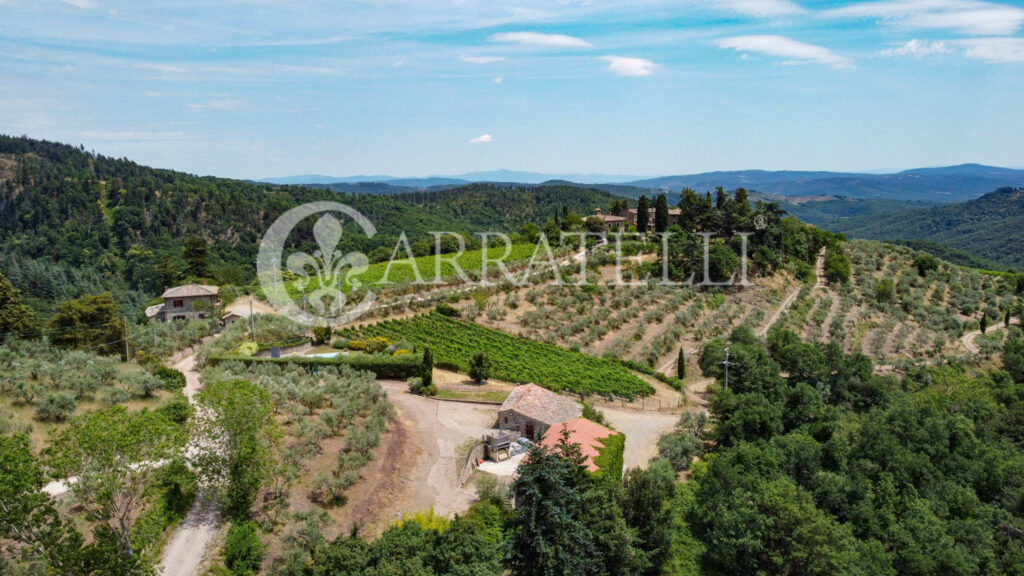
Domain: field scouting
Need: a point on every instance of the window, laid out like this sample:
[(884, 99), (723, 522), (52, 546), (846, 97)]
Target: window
[(178, 304)]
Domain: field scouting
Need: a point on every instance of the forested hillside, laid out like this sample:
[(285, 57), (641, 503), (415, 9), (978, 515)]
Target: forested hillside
[(73, 222), (507, 206), (991, 227)]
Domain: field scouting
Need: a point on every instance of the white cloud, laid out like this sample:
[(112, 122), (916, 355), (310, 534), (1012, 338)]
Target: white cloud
[(760, 8), (538, 39), (966, 16), (623, 66), (481, 59), (783, 47), (225, 104), (497, 80), (482, 139), (994, 49), (918, 49)]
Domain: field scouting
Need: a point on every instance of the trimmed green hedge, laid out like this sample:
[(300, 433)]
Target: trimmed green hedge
[(609, 459), (397, 367)]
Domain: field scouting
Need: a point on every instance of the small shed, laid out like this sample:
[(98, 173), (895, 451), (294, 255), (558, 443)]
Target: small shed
[(531, 410), (229, 319)]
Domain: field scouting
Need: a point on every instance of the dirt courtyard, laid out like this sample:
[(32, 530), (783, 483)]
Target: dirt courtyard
[(417, 466)]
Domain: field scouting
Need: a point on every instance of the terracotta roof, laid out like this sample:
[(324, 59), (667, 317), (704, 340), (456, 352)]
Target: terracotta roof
[(583, 432), (191, 290), (154, 311), (541, 405)]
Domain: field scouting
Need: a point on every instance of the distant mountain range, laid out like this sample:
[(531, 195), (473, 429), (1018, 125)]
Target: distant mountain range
[(944, 185), (516, 176), (991, 227)]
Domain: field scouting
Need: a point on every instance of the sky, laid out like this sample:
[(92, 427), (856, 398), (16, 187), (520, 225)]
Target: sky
[(262, 88)]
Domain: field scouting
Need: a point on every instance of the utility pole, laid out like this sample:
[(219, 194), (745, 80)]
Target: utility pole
[(127, 358), (726, 363), (252, 320)]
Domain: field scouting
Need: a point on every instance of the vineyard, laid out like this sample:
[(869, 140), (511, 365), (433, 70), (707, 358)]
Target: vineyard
[(514, 359)]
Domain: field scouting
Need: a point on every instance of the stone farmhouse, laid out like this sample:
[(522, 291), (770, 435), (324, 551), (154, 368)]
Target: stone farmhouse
[(188, 302), (531, 411)]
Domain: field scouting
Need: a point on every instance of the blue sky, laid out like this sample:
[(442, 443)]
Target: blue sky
[(257, 88)]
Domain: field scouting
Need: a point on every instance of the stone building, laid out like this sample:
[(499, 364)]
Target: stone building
[(531, 411), (188, 302)]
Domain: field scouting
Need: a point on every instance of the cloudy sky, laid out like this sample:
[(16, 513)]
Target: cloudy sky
[(257, 88)]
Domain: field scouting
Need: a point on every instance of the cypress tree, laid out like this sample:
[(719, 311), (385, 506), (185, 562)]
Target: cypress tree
[(1006, 318), (660, 214), (643, 208), (428, 367), (681, 364), (984, 323)]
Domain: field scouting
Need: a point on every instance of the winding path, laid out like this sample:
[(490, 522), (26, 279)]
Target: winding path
[(968, 338), (187, 544)]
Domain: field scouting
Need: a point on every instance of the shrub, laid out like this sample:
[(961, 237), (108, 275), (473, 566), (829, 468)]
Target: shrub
[(480, 367), (340, 344), (356, 345), (321, 335), (177, 409), (243, 550), (446, 309), (55, 407), (679, 448), (247, 349), (172, 379), (417, 386), (377, 345)]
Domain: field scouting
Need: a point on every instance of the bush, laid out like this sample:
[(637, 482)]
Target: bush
[(356, 345), (480, 367), (248, 349), (340, 344), (419, 387), (243, 550), (55, 407), (446, 309), (172, 379), (679, 448), (377, 345), (321, 335), (177, 409)]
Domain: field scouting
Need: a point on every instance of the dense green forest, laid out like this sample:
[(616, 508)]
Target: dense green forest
[(74, 222), (990, 227), (811, 464)]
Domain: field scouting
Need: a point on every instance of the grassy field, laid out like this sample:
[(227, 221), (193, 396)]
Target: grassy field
[(514, 359), (406, 271)]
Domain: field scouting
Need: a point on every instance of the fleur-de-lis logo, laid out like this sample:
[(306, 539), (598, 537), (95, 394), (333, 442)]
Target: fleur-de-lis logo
[(321, 275), (327, 277)]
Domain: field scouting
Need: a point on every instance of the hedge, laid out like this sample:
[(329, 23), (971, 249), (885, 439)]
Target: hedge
[(383, 366), (299, 341), (609, 459)]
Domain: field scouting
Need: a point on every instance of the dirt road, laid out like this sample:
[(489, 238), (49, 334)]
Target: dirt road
[(819, 270), (642, 430), (187, 544), (968, 339), (421, 472)]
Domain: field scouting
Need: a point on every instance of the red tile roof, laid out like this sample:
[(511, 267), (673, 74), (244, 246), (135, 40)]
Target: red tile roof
[(583, 432)]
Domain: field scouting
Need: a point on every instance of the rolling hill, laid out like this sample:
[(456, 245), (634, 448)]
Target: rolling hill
[(990, 227), (946, 184)]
